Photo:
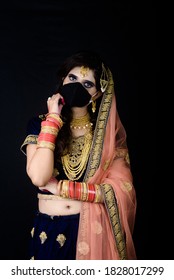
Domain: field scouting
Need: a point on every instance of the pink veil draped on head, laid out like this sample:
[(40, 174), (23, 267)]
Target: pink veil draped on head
[(105, 230)]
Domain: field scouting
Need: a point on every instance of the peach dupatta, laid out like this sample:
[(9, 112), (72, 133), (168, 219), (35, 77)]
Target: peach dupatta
[(105, 230)]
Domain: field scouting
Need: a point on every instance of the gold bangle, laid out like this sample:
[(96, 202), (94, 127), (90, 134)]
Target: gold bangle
[(46, 144), (64, 192), (98, 194), (85, 192), (50, 130)]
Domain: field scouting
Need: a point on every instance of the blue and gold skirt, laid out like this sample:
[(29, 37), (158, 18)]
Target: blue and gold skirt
[(54, 237)]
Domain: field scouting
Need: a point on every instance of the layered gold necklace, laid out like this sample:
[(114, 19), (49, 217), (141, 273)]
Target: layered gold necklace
[(81, 122), (75, 160)]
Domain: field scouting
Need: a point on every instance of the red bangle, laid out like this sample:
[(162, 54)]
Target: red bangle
[(91, 192), (71, 189), (48, 123), (77, 190), (47, 137)]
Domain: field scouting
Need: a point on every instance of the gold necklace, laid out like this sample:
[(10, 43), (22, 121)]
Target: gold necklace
[(81, 122), (75, 161)]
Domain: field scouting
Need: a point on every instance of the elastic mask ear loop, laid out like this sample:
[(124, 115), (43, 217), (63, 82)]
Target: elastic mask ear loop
[(91, 100)]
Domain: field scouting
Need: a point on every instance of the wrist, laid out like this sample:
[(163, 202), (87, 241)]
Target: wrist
[(59, 187), (55, 118)]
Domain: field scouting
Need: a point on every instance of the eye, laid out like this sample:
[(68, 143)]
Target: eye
[(72, 77), (88, 84)]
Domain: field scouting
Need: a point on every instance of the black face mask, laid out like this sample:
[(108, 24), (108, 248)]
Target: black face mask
[(75, 95)]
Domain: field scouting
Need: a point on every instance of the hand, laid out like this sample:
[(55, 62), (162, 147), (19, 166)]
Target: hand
[(51, 186), (55, 103)]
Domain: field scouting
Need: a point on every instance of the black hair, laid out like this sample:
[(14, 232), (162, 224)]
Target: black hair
[(88, 59)]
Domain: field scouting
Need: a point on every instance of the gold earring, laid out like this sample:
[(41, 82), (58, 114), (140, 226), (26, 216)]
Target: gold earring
[(104, 79), (93, 106)]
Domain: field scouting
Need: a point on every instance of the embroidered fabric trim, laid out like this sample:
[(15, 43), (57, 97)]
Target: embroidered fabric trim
[(30, 139), (111, 205)]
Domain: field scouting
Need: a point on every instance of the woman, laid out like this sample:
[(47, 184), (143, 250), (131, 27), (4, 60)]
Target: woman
[(78, 158)]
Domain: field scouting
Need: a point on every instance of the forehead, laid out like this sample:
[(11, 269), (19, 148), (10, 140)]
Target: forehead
[(83, 73)]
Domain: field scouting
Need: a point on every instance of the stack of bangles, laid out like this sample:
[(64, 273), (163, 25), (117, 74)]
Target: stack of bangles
[(81, 191), (49, 130)]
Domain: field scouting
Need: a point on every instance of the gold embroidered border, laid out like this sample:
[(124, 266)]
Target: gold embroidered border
[(30, 139), (42, 117), (112, 208), (98, 139), (123, 153)]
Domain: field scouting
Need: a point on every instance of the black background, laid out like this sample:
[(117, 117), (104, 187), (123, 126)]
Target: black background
[(35, 37)]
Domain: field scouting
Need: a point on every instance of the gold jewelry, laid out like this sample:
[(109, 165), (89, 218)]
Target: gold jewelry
[(45, 144), (75, 161), (104, 79), (93, 106), (81, 122), (84, 71), (64, 191)]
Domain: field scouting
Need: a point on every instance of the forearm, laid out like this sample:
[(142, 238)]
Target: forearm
[(40, 159), (40, 166)]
